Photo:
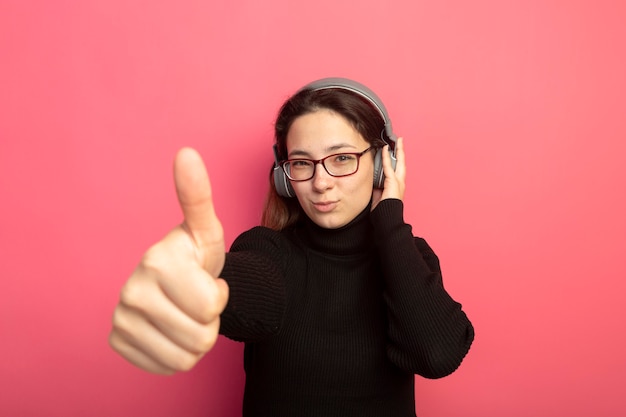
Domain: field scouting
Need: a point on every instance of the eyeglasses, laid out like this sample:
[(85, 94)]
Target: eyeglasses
[(337, 165)]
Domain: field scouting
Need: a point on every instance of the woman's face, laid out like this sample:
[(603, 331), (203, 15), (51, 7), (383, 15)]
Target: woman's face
[(330, 202)]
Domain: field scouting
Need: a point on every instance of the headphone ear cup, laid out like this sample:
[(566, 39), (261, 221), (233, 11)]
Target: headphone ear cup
[(379, 177), (281, 183), (379, 174)]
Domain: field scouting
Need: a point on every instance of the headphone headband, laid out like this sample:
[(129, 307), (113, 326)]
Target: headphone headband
[(361, 90)]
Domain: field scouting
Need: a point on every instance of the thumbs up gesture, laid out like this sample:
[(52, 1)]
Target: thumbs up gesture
[(168, 315)]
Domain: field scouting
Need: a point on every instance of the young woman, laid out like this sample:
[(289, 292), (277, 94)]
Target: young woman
[(338, 304)]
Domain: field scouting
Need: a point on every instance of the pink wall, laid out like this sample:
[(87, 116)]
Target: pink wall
[(514, 119)]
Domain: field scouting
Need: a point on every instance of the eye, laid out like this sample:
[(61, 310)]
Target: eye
[(343, 158), (299, 163)]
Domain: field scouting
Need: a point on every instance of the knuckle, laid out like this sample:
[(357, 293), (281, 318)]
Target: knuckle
[(124, 327), (204, 341), (154, 259), (201, 307), (140, 286), (114, 341), (118, 320), (184, 361), (206, 314), (210, 310), (130, 294), (213, 306)]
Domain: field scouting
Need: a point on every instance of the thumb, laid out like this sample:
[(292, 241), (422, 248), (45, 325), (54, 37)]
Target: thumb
[(196, 201)]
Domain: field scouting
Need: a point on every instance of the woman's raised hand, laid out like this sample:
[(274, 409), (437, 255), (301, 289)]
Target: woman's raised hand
[(168, 315)]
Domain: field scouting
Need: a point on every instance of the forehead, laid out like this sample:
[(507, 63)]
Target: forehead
[(322, 132)]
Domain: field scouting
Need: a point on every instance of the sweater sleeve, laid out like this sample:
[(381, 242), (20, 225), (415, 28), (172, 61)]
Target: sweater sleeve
[(428, 333), (254, 270)]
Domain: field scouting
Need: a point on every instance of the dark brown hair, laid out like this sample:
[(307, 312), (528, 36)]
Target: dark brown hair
[(281, 212)]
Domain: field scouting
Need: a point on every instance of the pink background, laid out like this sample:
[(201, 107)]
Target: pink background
[(514, 118)]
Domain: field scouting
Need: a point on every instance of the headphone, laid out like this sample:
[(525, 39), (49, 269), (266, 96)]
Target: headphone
[(281, 181)]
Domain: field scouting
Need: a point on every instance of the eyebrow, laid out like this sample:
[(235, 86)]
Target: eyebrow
[(330, 150)]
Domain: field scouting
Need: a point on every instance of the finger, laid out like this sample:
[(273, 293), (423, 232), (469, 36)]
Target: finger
[(136, 357), (194, 194), (139, 333), (196, 201), (394, 179), (400, 159), (177, 325), (194, 190), (185, 284)]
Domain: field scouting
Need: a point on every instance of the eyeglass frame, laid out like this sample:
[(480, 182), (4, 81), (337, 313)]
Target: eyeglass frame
[(321, 161)]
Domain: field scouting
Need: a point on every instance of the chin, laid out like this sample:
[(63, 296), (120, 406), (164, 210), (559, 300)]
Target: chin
[(328, 222)]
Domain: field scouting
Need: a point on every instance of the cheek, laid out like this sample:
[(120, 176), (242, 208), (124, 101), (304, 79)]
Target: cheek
[(368, 176), (364, 185), (300, 190)]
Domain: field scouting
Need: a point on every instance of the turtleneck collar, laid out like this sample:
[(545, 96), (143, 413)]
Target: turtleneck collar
[(354, 238)]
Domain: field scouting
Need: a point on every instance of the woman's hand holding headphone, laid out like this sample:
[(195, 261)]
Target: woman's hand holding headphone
[(394, 184), (168, 315)]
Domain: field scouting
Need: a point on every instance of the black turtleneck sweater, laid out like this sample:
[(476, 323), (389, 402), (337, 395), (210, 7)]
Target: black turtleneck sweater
[(337, 322)]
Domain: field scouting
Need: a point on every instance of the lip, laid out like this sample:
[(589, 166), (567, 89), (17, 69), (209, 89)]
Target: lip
[(325, 206)]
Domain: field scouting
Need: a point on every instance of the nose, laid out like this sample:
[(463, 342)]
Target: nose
[(322, 180)]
